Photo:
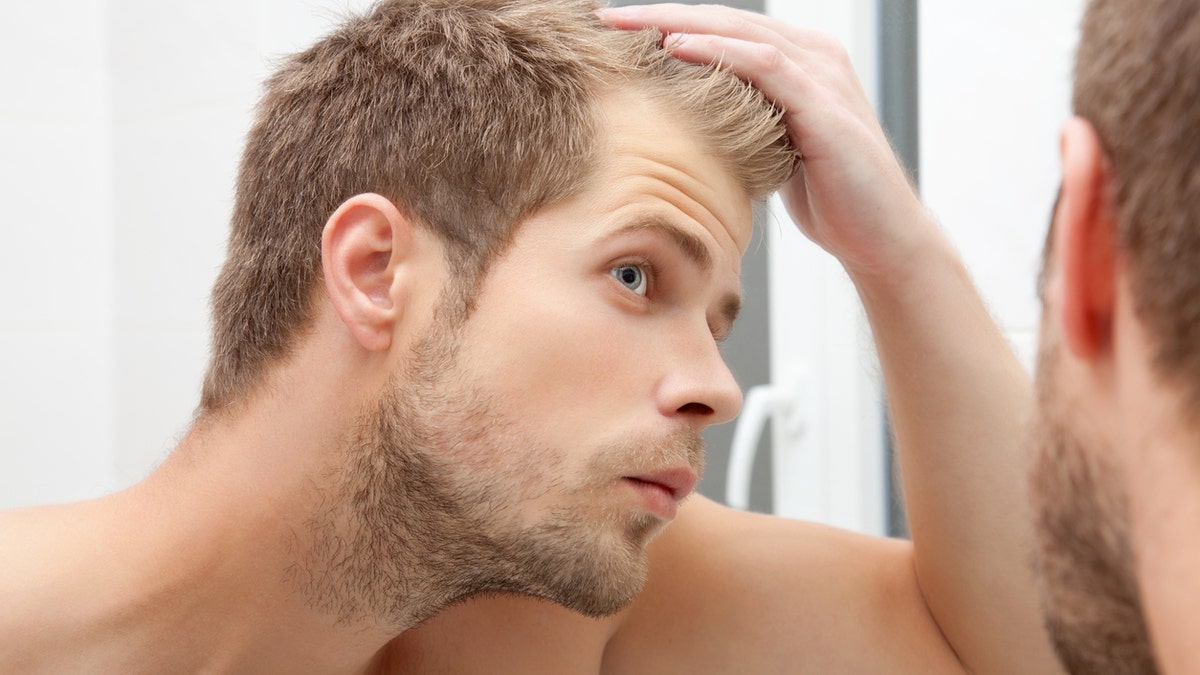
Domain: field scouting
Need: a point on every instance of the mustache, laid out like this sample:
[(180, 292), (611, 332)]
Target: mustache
[(649, 453)]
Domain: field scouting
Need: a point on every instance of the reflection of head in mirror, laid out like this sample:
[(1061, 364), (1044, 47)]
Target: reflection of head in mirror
[(449, 218), (1117, 480)]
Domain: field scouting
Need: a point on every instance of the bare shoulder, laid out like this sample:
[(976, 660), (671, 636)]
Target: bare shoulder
[(32, 563), (730, 591), (27, 537)]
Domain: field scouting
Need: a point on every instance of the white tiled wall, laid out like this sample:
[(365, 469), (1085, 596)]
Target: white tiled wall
[(121, 124)]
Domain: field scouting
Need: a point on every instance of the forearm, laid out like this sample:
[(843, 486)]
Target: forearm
[(958, 397), (959, 400)]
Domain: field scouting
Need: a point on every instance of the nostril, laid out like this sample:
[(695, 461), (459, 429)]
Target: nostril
[(696, 409)]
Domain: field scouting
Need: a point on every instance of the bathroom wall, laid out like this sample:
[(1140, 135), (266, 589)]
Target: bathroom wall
[(56, 253), (121, 122), (995, 85)]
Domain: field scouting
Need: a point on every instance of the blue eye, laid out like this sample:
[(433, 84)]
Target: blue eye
[(632, 277)]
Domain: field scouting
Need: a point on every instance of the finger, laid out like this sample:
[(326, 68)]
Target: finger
[(779, 78), (718, 20), (817, 53), (806, 87)]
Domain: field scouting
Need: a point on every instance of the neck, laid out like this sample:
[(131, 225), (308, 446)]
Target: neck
[(200, 551), (1165, 508), (1159, 444), (1163, 467), (212, 546), (220, 561)]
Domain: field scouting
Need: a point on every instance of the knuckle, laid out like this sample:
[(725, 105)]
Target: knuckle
[(734, 24), (770, 57), (827, 44), (837, 51)]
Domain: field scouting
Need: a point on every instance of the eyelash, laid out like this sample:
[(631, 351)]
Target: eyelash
[(649, 268)]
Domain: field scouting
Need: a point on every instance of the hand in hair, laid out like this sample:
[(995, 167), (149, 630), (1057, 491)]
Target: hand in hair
[(958, 412), (851, 195)]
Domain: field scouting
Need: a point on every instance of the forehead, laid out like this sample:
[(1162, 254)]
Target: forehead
[(656, 157), (655, 196)]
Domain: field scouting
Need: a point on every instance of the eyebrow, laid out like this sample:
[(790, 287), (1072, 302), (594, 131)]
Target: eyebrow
[(688, 243), (693, 249)]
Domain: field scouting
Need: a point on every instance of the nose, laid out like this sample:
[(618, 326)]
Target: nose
[(699, 389)]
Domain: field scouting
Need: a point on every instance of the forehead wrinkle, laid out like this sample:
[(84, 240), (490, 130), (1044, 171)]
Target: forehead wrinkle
[(667, 148), (697, 194)]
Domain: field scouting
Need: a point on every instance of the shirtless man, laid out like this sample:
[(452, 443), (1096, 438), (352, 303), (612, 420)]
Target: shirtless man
[(464, 342)]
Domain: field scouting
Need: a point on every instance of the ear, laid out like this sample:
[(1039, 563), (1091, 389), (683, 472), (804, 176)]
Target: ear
[(1085, 243), (363, 248)]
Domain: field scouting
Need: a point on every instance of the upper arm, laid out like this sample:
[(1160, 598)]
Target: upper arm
[(736, 592)]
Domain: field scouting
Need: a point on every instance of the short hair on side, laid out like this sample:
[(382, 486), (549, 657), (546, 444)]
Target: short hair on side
[(1137, 80), (469, 115)]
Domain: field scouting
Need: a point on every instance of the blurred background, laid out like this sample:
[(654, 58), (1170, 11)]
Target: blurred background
[(121, 124)]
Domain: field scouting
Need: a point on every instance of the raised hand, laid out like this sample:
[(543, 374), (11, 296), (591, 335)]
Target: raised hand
[(851, 196)]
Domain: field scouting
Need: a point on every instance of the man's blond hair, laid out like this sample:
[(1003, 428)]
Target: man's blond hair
[(470, 115)]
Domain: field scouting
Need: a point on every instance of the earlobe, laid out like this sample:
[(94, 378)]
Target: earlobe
[(362, 247), (1085, 244)]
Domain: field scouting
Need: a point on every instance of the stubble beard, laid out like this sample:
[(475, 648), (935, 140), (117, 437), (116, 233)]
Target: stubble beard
[(430, 508), (1084, 558)]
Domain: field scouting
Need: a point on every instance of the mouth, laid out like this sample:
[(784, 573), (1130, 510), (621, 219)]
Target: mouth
[(678, 482), (662, 491)]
